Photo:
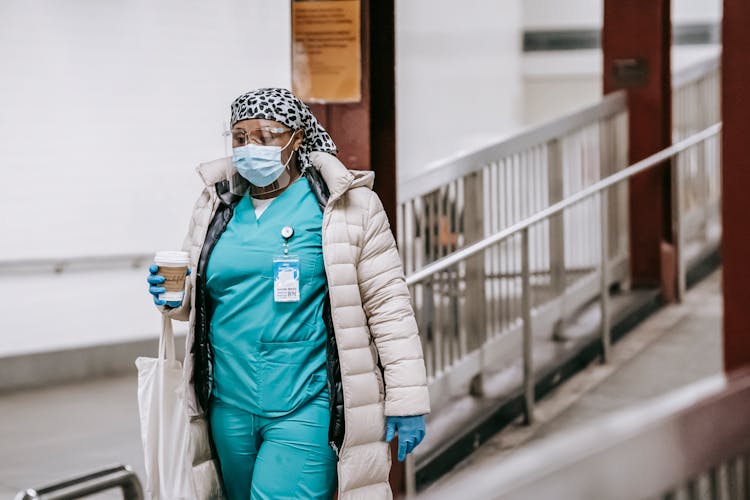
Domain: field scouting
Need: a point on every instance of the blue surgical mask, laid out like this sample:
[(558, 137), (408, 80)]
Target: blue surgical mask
[(260, 165)]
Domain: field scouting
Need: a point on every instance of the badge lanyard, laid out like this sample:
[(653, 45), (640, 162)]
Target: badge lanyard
[(286, 272)]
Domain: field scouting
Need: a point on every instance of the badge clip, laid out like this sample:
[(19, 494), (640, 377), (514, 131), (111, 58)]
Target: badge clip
[(286, 233)]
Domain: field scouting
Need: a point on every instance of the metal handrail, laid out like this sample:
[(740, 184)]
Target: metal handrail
[(695, 71), (121, 476), (59, 265), (671, 444), (641, 166), (446, 170)]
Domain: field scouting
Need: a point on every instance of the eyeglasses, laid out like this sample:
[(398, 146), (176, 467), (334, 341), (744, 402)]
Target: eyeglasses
[(262, 136)]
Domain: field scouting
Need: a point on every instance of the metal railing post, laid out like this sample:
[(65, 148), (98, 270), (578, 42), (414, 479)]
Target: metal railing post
[(715, 487), (556, 229), (475, 300), (733, 478), (692, 490), (608, 165), (604, 276), (528, 341), (702, 161), (677, 223)]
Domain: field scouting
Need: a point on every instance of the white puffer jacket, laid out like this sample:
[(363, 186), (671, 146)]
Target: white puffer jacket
[(372, 318)]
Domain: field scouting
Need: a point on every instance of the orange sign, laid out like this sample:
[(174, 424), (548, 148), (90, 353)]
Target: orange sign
[(326, 50)]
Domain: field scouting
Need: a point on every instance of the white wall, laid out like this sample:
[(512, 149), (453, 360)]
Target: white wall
[(696, 11), (561, 14), (108, 105), (459, 77), (556, 83)]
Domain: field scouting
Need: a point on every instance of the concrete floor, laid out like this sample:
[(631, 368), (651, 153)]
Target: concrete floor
[(48, 435), (677, 346)]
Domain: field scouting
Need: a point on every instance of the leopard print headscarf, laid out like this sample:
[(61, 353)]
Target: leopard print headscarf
[(283, 106)]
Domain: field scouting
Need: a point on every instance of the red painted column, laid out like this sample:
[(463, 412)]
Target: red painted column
[(735, 183), (636, 42)]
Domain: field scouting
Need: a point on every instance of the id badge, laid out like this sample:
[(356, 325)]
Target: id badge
[(286, 279)]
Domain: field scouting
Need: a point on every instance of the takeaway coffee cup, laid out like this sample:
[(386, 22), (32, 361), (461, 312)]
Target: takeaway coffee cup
[(173, 266)]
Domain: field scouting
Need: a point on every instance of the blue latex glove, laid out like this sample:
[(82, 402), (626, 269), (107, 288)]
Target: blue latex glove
[(411, 431), (154, 280)]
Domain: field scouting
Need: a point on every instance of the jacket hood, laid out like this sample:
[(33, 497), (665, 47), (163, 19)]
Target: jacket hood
[(338, 178)]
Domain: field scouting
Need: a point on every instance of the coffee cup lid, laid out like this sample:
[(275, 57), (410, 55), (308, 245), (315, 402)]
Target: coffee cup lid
[(172, 257)]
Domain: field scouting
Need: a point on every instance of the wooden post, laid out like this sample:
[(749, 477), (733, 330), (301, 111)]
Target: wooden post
[(636, 41), (735, 183)]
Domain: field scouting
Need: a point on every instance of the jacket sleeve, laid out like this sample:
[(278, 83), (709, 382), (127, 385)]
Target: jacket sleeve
[(182, 313), (390, 316)]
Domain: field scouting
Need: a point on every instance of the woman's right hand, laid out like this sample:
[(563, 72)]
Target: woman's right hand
[(154, 288)]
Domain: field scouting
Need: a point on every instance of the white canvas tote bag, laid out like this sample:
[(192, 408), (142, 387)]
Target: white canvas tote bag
[(165, 427)]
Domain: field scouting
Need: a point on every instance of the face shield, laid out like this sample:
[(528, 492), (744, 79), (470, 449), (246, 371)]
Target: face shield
[(238, 185)]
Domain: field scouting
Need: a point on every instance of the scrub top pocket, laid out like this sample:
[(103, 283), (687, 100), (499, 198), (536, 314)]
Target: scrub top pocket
[(288, 378)]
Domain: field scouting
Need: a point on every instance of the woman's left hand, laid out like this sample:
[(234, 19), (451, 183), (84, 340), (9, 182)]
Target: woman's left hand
[(411, 431)]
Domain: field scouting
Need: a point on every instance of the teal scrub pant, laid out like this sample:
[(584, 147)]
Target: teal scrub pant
[(275, 458)]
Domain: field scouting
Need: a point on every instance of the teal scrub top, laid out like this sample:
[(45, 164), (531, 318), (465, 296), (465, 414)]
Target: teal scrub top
[(269, 357)]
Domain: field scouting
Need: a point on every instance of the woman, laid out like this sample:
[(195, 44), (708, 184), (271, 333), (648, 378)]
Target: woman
[(297, 307)]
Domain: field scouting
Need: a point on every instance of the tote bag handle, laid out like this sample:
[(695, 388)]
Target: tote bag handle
[(166, 341)]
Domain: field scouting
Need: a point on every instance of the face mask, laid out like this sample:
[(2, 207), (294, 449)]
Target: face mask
[(260, 165)]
